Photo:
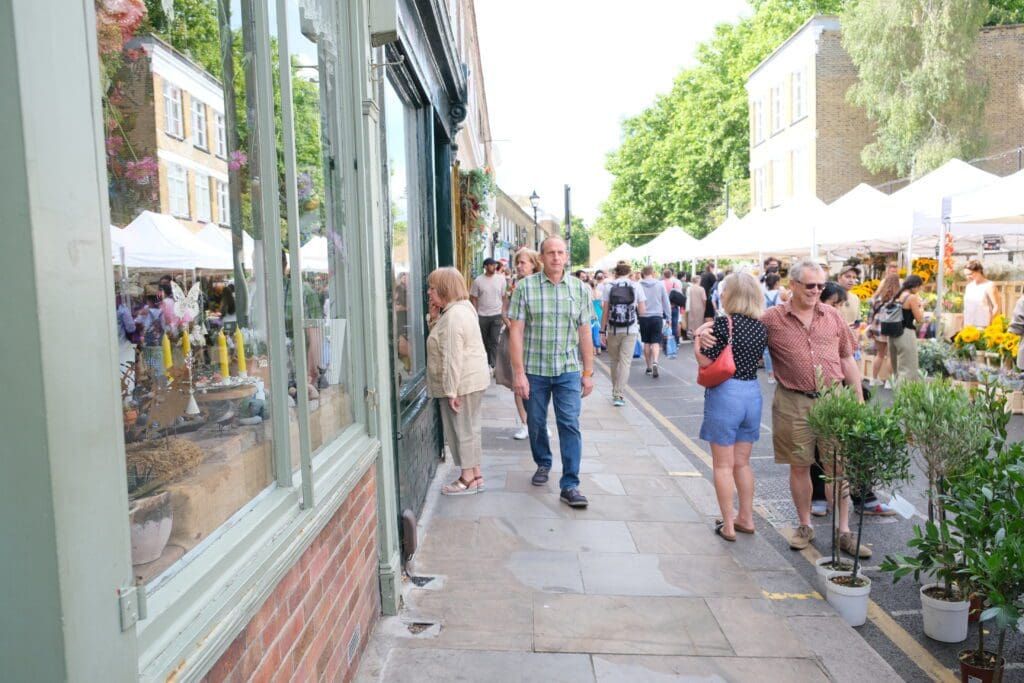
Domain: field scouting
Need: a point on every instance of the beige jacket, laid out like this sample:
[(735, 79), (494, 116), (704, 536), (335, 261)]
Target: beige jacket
[(456, 359)]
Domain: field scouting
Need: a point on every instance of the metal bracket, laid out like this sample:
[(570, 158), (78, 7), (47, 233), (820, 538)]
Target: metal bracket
[(371, 398), (132, 602), (375, 76)]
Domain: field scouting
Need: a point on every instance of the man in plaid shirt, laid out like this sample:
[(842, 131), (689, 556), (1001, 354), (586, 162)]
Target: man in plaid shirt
[(552, 353)]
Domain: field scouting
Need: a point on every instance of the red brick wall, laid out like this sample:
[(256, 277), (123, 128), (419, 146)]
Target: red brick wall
[(307, 629)]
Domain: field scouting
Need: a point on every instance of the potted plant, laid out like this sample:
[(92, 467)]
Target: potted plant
[(875, 450), (149, 515)]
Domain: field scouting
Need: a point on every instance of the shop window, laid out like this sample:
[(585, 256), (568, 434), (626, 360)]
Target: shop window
[(198, 124), (193, 324), (407, 262)]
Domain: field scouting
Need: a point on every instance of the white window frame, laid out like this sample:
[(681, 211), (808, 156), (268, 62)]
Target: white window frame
[(220, 135), (799, 159), (177, 183), (775, 115), (199, 136), (203, 209), (760, 201), (779, 185), (223, 203), (798, 95), (758, 121), (174, 124)]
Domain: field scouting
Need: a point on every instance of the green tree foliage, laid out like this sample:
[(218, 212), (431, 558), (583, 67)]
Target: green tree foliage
[(917, 81), (676, 155), (580, 249)]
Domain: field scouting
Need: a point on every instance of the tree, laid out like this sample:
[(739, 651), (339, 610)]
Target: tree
[(676, 156), (580, 249), (917, 80)]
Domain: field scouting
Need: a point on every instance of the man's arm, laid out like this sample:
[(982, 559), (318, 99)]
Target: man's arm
[(851, 375), (475, 301), (587, 358), (520, 384)]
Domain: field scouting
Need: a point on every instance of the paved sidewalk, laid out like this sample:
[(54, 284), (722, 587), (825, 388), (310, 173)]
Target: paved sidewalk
[(512, 585)]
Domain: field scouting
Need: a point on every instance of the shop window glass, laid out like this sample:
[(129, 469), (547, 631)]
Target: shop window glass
[(407, 232), (192, 319), (326, 264)]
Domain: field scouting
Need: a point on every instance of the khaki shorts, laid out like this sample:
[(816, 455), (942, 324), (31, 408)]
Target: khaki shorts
[(791, 435)]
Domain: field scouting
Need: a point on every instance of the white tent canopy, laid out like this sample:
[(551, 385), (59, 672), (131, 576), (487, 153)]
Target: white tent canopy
[(843, 222), (789, 229), (1000, 203), (672, 245), (220, 239), (155, 240), (730, 239), (923, 197), (313, 255), (623, 252)]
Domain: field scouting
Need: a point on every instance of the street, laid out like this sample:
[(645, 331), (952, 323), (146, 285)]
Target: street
[(675, 403)]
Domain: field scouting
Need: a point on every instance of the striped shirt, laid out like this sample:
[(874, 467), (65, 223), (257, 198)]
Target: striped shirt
[(552, 315)]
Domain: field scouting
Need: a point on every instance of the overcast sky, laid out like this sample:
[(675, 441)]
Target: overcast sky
[(561, 75)]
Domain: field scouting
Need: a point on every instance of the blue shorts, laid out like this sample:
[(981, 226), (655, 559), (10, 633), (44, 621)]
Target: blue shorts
[(732, 412)]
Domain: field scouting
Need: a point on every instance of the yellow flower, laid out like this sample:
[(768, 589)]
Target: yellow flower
[(967, 335)]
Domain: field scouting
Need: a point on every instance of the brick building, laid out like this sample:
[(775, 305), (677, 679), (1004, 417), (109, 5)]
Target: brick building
[(513, 226), (806, 138)]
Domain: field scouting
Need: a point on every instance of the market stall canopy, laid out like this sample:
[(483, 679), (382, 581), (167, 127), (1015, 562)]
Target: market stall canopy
[(923, 197), (789, 229), (313, 255), (1000, 202), (845, 221), (672, 245), (730, 239), (155, 240), (220, 239), (623, 252)]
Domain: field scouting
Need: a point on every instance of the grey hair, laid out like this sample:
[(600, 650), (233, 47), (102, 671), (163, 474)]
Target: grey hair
[(796, 271)]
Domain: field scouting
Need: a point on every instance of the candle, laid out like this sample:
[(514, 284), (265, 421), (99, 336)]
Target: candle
[(165, 343), (240, 351), (186, 345), (222, 348)]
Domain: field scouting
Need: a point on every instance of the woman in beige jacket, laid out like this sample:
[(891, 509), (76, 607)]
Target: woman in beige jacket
[(457, 374)]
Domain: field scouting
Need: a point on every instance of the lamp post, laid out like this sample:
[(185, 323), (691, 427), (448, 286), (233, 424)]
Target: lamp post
[(534, 201)]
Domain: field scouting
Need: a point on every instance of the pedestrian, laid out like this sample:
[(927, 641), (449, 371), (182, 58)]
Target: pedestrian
[(848, 278), (903, 348), (457, 375), (980, 304), (672, 284), (1016, 327), (807, 340), (772, 266), (708, 280), (696, 299), (657, 309), (772, 298), (553, 362), (885, 293), (487, 293), (732, 410), (595, 324), (623, 305), (527, 262)]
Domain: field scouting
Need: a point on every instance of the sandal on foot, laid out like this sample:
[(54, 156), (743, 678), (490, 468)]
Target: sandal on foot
[(479, 481), (738, 527), (460, 487), (720, 530)]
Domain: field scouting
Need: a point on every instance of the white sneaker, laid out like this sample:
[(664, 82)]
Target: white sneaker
[(521, 433)]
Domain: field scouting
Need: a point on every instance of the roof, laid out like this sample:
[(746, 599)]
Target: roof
[(825, 21)]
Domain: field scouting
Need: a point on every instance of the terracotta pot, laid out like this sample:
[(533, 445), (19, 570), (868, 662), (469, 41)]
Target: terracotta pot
[(969, 673), (977, 605), (150, 519)]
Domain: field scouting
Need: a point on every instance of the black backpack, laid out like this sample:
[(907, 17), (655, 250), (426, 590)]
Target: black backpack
[(677, 298), (890, 319), (621, 309)]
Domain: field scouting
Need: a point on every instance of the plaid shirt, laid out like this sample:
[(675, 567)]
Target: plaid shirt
[(552, 315)]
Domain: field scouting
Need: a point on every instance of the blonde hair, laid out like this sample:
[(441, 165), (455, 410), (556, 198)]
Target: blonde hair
[(741, 295), (532, 255), (888, 289), (449, 284)]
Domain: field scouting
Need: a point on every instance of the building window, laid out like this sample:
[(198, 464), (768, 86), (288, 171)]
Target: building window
[(776, 109), (173, 124), (780, 183), (758, 121), (801, 172), (220, 133), (199, 124), (223, 204), (177, 190), (799, 96), (760, 200), (203, 197)]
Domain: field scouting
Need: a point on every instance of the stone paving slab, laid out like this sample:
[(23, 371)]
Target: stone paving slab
[(496, 667), (641, 669)]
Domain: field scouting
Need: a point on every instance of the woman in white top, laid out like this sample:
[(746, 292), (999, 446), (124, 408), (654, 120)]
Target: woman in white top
[(980, 304)]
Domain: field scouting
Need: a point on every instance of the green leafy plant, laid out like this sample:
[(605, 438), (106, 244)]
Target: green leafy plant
[(932, 356), (939, 551)]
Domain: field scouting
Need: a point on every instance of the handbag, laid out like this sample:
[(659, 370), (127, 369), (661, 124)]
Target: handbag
[(722, 368), (503, 361)]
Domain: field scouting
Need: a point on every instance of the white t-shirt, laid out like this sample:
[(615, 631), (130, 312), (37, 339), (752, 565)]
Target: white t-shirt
[(977, 307), (489, 291), (638, 298)]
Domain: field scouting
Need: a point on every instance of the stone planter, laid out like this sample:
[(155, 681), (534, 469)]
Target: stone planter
[(944, 621), (150, 520)]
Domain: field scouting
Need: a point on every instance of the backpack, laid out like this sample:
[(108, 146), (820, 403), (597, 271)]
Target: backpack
[(621, 307), (677, 298), (154, 328), (890, 319)]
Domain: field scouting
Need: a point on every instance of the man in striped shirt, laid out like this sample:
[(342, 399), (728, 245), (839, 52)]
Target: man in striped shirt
[(552, 355)]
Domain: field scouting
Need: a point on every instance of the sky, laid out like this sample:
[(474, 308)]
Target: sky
[(562, 75)]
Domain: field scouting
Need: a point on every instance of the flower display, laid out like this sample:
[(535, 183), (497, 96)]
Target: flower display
[(866, 289)]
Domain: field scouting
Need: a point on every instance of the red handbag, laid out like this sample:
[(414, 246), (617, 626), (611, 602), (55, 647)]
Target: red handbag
[(722, 368)]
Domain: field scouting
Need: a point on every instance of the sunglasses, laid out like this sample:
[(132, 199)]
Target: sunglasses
[(811, 285)]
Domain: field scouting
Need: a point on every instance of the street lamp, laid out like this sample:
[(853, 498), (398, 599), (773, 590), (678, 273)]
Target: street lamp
[(534, 201)]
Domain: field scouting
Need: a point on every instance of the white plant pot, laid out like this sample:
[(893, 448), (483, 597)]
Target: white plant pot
[(944, 621), (850, 602), (823, 572), (150, 520)]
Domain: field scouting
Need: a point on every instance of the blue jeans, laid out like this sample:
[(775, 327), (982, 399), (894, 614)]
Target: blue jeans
[(565, 391), (675, 323), (767, 361)]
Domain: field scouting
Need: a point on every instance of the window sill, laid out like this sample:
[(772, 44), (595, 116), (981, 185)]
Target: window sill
[(201, 148), (196, 614), (179, 138), (797, 120)]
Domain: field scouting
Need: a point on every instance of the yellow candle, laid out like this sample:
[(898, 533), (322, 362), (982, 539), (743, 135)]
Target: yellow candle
[(222, 348), (240, 351), (165, 343), (186, 344)]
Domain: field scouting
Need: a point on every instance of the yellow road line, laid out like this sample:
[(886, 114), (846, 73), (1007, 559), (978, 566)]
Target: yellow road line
[(899, 637)]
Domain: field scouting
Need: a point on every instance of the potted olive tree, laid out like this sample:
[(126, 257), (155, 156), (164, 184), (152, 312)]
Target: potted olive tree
[(875, 450)]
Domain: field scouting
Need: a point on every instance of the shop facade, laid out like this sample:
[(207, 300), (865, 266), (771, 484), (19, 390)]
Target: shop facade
[(209, 453)]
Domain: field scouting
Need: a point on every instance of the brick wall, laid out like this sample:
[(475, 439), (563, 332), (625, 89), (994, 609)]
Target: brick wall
[(1000, 57), (316, 623)]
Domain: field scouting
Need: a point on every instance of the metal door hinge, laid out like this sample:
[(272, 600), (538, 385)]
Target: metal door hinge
[(371, 398), (132, 601)]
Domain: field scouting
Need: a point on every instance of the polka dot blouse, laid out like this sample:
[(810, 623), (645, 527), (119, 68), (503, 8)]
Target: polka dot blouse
[(749, 339)]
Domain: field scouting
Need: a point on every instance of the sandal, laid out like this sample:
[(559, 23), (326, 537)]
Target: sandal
[(479, 483), (460, 487), (719, 530), (739, 527)]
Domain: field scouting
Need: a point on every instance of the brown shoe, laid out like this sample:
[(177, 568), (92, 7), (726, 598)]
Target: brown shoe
[(848, 544), (801, 538)]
